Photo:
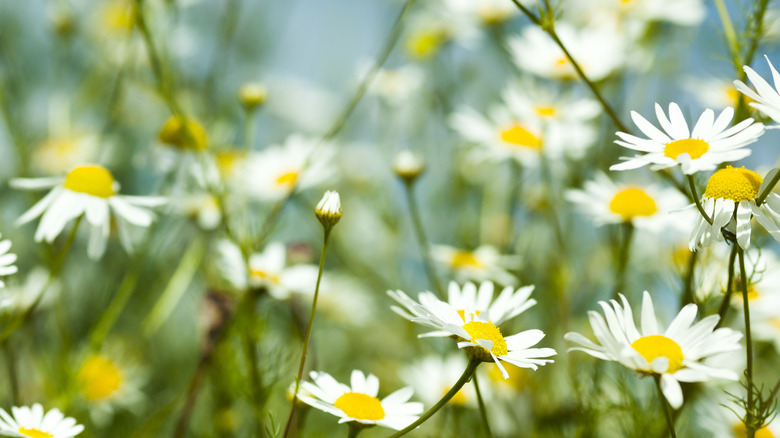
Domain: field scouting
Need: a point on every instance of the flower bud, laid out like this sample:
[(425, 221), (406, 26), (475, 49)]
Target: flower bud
[(252, 95), (328, 210), (174, 133), (408, 165)]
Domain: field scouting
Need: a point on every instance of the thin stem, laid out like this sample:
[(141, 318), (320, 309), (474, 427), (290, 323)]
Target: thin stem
[(687, 295), (623, 257), (728, 30), (419, 232), (118, 303), (308, 331), (696, 200), (748, 341), (482, 411), (664, 406), (249, 129), (534, 19), (724, 305), (13, 377), (353, 431), (467, 373), (219, 59), (768, 189), (250, 342)]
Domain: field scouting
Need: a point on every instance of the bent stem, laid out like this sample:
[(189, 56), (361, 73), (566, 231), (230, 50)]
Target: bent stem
[(467, 373), (482, 411), (724, 305), (696, 199), (419, 232), (749, 423), (308, 331), (664, 406)]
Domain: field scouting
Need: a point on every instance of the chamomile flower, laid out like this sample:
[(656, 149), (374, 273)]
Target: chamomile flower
[(90, 190), (608, 202), (7, 260), (710, 143), (730, 201), (358, 401), (674, 354), (767, 98), (483, 12), (482, 264), (31, 422), (434, 376), (107, 384), (477, 329)]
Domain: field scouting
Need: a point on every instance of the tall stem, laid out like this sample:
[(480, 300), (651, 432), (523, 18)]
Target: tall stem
[(13, 377), (623, 257), (749, 423), (308, 331), (664, 406), (467, 373), (419, 232), (696, 200), (482, 411), (724, 305)]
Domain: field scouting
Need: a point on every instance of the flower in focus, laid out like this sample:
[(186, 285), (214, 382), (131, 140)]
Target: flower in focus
[(730, 200), (647, 208), (90, 190), (358, 402), (767, 98), (434, 376), (675, 354), (482, 264), (477, 329), (710, 143), (31, 422), (328, 210), (7, 260)]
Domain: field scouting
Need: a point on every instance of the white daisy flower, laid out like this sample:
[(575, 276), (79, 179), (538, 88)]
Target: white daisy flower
[(598, 51), (90, 190), (730, 201), (679, 12), (30, 422), (675, 354), (649, 208), (434, 376), (275, 172), (477, 328), (766, 97), (710, 143), (107, 384), (483, 12), (21, 295), (358, 402), (7, 260), (482, 264), (395, 86)]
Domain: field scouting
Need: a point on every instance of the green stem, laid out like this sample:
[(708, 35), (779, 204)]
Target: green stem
[(482, 411), (250, 342), (730, 33), (467, 373), (219, 60), (353, 431), (749, 423), (308, 330), (13, 377), (724, 305), (419, 232), (664, 406), (118, 303), (249, 129), (696, 200), (623, 257), (687, 295), (768, 189)]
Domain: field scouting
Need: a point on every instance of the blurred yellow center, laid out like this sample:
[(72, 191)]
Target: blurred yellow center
[(487, 331), (492, 15), (463, 259), (259, 274), (99, 378), (740, 431), (655, 346), (189, 135), (360, 406), (287, 179), (694, 147), (34, 433), (545, 110), (120, 16), (732, 183), (519, 136), (632, 202), (424, 44), (227, 161), (91, 179)]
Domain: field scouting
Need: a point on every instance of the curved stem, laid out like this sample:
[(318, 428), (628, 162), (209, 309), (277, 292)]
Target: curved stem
[(419, 232), (482, 411), (749, 342), (724, 305), (467, 373), (308, 332), (664, 406), (696, 200)]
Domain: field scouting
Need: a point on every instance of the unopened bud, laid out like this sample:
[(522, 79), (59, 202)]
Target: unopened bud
[(328, 210), (408, 165), (174, 133), (251, 95)]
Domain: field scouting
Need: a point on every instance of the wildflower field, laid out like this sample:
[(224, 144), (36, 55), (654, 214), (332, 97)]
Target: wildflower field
[(378, 218)]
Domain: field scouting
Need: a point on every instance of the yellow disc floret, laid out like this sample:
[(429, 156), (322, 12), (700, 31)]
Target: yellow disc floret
[(740, 431), (487, 331), (360, 406), (694, 147), (655, 346), (287, 179), (463, 259), (632, 202), (175, 134), (732, 183), (99, 378), (91, 179), (519, 136), (34, 433)]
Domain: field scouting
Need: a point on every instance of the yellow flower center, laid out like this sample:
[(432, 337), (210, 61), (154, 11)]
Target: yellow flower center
[(174, 133), (546, 111), (732, 183), (492, 15), (487, 331), (287, 179), (91, 179), (34, 433), (99, 377), (259, 274), (519, 136), (694, 147), (360, 406), (632, 202), (227, 161), (462, 259), (120, 16), (740, 431), (425, 43), (462, 314), (655, 346)]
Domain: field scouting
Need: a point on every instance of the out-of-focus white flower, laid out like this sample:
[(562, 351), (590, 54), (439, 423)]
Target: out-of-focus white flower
[(766, 98), (713, 92), (32, 422), (598, 51), (433, 376), (108, 384), (711, 142), (395, 86), (628, 13), (482, 264), (483, 12), (7, 260), (408, 165), (19, 297)]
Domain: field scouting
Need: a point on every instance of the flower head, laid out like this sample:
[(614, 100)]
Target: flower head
[(674, 354), (30, 422), (408, 165), (252, 95), (328, 210), (484, 263), (710, 143), (766, 98), (358, 402), (188, 135)]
